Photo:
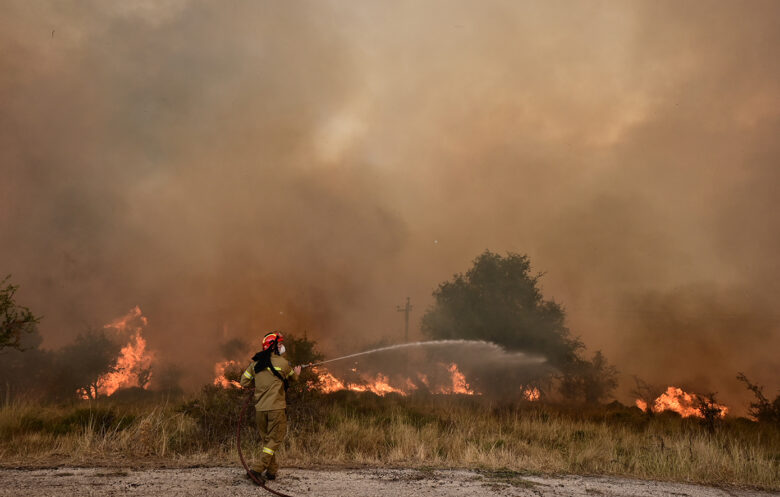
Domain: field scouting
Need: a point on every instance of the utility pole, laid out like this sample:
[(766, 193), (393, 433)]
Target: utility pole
[(406, 310)]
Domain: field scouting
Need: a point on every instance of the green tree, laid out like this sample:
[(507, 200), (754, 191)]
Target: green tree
[(500, 301), (15, 320)]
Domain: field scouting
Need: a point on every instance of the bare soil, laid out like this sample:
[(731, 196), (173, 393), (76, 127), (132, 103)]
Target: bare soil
[(335, 482)]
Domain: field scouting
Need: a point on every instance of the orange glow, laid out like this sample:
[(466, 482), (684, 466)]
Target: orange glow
[(132, 359), (328, 382), (677, 400), (133, 366), (219, 375), (531, 394), (459, 384), (127, 321), (381, 384)]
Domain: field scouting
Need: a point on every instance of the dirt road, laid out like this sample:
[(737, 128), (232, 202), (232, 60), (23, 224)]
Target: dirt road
[(69, 482)]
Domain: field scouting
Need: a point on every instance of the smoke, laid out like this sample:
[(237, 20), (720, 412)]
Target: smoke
[(235, 168), (700, 336)]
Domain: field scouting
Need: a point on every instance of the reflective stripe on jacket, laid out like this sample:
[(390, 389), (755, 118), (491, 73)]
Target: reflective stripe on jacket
[(269, 390)]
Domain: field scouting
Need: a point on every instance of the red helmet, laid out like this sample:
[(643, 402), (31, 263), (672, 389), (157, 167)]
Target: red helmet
[(271, 338)]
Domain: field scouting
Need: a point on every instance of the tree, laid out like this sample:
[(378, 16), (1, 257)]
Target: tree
[(82, 364), (499, 300), (591, 381), (646, 393), (711, 412), (15, 320), (26, 370), (302, 351), (763, 410)]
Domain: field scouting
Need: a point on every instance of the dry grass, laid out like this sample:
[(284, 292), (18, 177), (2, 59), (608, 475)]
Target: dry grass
[(348, 429)]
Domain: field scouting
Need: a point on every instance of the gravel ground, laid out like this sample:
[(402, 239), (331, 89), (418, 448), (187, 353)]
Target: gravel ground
[(326, 483)]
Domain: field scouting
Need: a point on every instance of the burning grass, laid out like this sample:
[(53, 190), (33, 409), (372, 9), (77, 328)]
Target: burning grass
[(417, 430), (381, 384)]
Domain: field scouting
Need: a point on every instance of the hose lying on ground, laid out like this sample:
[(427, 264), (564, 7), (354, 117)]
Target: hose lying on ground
[(244, 407)]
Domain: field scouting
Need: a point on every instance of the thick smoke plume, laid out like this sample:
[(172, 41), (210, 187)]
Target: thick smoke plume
[(233, 168)]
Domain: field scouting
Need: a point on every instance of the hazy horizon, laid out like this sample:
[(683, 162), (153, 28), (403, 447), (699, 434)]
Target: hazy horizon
[(233, 168)]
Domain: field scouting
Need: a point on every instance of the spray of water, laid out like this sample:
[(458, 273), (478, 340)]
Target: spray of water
[(438, 343)]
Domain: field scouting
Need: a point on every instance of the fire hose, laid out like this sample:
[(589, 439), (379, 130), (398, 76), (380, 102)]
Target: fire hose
[(259, 482), (314, 364)]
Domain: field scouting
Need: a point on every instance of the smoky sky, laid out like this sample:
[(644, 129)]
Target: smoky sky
[(234, 167)]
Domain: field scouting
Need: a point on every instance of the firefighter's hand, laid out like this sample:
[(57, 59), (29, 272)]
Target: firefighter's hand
[(297, 370)]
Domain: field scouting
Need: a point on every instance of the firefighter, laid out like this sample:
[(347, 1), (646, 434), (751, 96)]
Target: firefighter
[(270, 373)]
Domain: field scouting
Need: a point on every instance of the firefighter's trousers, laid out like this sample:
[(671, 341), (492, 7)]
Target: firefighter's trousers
[(272, 426)]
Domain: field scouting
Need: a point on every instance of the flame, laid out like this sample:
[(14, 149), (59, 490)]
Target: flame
[(531, 394), (219, 375), (459, 384), (677, 400), (381, 385), (133, 365), (126, 321), (328, 382), (131, 361)]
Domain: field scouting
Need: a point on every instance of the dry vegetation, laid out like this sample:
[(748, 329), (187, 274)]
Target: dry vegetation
[(348, 429)]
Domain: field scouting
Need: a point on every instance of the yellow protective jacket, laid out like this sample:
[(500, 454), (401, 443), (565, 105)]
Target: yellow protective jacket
[(269, 390)]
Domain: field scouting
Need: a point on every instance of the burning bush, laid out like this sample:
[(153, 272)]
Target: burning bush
[(676, 400), (710, 411), (226, 374), (99, 362), (133, 366), (84, 364)]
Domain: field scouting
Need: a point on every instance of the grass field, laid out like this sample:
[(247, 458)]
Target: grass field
[(419, 431)]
